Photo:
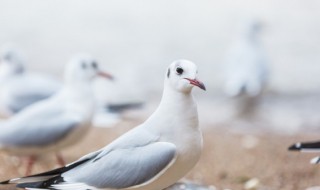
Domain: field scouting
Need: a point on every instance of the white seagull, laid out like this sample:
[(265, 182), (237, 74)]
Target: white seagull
[(246, 71), (18, 87), (152, 156), (246, 63), (57, 122), (307, 147)]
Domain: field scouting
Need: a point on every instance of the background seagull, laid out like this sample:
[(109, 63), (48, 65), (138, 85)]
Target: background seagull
[(307, 147), (154, 155), (18, 87), (246, 68), (57, 122)]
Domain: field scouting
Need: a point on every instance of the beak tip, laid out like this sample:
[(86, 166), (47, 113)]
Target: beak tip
[(197, 83), (202, 87)]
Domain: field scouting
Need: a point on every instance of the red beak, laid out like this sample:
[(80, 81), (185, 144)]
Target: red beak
[(197, 83), (105, 75)]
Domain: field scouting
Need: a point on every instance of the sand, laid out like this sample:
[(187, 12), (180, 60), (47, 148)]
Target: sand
[(229, 159)]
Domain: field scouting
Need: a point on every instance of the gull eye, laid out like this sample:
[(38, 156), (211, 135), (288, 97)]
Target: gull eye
[(179, 70), (94, 65)]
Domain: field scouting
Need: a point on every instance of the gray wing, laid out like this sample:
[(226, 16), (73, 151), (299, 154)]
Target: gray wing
[(23, 100), (38, 129), (26, 90), (123, 167)]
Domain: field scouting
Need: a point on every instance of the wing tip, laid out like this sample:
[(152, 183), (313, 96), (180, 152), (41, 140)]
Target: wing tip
[(295, 147), (5, 182), (10, 181)]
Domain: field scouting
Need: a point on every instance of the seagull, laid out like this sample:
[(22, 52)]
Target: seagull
[(153, 155), (246, 63), (307, 147), (57, 122), (18, 87), (246, 70)]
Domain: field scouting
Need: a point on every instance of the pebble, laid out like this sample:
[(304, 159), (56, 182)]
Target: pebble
[(249, 142), (252, 184), (189, 186), (314, 188)]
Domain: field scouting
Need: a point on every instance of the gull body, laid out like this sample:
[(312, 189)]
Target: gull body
[(57, 122), (246, 70), (20, 88), (152, 156)]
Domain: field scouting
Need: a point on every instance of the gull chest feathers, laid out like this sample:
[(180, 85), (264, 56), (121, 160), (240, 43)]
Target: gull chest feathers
[(182, 127)]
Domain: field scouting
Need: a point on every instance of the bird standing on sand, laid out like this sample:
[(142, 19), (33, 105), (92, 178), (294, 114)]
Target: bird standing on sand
[(152, 156), (246, 71), (57, 122)]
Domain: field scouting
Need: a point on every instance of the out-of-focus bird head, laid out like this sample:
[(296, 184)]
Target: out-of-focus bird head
[(251, 28), (84, 68), (11, 61), (182, 76)]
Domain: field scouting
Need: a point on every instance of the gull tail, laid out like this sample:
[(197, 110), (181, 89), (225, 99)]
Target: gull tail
[(42, 184), (306, 147), (43, 180)]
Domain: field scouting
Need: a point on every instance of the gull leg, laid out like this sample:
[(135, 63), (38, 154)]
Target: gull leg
[(30, 163), (60, 159)]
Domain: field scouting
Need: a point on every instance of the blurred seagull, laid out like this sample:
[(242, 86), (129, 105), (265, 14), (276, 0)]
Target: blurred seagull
[(19, 88), (152, 156), (57, 122), (246, 69), (307, 147)]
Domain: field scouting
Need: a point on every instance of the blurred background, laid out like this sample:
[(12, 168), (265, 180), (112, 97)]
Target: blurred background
[(137, 40)]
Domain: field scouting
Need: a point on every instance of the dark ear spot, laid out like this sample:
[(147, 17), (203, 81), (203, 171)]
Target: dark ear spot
[(168, 73)]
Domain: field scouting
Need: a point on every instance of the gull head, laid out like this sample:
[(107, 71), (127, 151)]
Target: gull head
[(182, 76), (251, 28), (84, 68), (11, 61)]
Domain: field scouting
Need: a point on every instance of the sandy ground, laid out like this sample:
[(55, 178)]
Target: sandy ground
[(229, 159)]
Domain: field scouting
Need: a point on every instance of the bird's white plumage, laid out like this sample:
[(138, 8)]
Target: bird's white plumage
[(20, 88), (153, 155), (54, 123), (246, 63)]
